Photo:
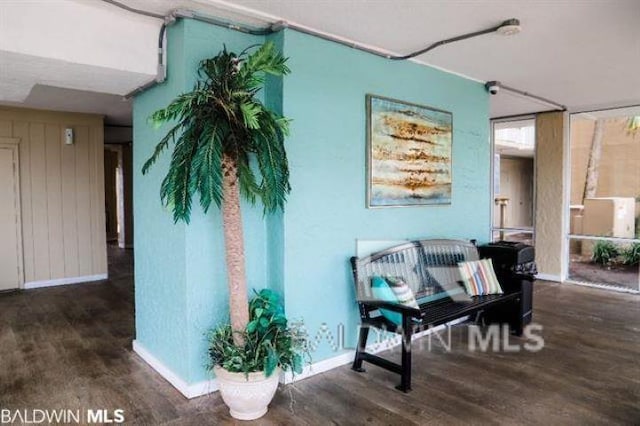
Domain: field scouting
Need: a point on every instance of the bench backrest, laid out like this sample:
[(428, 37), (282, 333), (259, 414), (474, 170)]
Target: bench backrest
[(429, 267)]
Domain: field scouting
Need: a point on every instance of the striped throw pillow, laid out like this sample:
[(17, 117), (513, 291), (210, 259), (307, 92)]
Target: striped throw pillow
[(479, 277), (402, 291), (382, 289)]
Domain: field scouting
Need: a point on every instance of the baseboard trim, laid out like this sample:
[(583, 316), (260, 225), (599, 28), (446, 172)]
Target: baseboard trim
[(210, 386), (188, 390), (347, 357), (549, 277), (64, 281), (319, 367)]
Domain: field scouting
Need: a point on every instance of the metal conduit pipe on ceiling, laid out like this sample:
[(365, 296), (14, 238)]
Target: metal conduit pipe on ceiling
[(507, 27)]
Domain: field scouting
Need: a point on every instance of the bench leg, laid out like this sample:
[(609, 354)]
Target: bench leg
[(517, 320), (363, 333), (517, 325), (405, 375)]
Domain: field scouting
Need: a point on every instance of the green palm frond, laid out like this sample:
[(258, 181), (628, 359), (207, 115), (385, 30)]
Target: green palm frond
[(250, 114), (272, 161), (248, 182), (177, 189), (223, 116), (206, 173)]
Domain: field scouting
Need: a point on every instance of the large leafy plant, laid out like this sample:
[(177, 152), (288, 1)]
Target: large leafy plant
[(217, 130), (270, 341), (631, 254), (604, 252)]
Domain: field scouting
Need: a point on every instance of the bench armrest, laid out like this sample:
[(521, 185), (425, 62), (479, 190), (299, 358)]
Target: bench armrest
[(395, 307)]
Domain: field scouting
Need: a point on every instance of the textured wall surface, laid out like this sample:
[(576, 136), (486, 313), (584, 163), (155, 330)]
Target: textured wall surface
[(181, 289), (160, 259), (61, 191), (326, 214), (180, 272), (550, 189)]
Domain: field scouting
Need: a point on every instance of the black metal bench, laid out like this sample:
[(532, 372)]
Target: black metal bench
[(430, 268)]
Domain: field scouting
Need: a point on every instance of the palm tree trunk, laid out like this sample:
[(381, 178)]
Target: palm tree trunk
[(591, 180), (234, 249)]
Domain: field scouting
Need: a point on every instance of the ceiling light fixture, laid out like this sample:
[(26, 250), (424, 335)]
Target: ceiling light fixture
[(509, 27)]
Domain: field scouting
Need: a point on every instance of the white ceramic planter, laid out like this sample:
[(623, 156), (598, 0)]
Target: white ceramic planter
[(248, 398)]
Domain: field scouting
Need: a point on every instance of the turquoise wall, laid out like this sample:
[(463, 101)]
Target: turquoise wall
[(180, 275), (325, 97), (160, 256)]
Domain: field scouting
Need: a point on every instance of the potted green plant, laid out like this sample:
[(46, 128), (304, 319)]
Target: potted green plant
[(218, 129), (250, 373)]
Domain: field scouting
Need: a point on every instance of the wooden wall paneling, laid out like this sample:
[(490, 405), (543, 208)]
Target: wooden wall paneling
[(21, 131), (6, 128), (69, 211), (11, 262), (83, 201), (53, 133), (39, 201), (61, 191)]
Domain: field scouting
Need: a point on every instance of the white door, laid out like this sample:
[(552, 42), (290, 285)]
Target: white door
[(10, 227)]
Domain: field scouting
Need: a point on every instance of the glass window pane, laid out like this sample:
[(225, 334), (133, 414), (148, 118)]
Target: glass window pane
[(516, 236), (605, 176), (514, 145), (605, 262)]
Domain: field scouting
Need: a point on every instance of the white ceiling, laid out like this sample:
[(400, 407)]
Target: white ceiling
[(115, 108), (581, 53)]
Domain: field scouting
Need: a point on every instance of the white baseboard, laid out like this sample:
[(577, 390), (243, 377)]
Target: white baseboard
[(64, 281), (347, 357), (319, 367), (210, 386), (186, 389), (549, 277)]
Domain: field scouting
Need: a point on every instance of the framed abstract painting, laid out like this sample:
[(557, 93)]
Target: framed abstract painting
[(408, 154)]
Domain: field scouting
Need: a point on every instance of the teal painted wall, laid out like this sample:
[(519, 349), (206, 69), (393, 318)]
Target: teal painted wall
[(181, 289), (325, 97), (160, 256), (180, 275)]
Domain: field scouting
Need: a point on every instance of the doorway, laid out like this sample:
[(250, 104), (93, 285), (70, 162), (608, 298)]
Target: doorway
[(513, 179), (118, 188), (10, 217)]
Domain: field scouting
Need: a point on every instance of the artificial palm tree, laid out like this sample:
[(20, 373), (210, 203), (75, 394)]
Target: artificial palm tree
[(221, 126)]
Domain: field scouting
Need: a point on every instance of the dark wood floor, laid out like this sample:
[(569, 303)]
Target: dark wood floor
[(70, 348)]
